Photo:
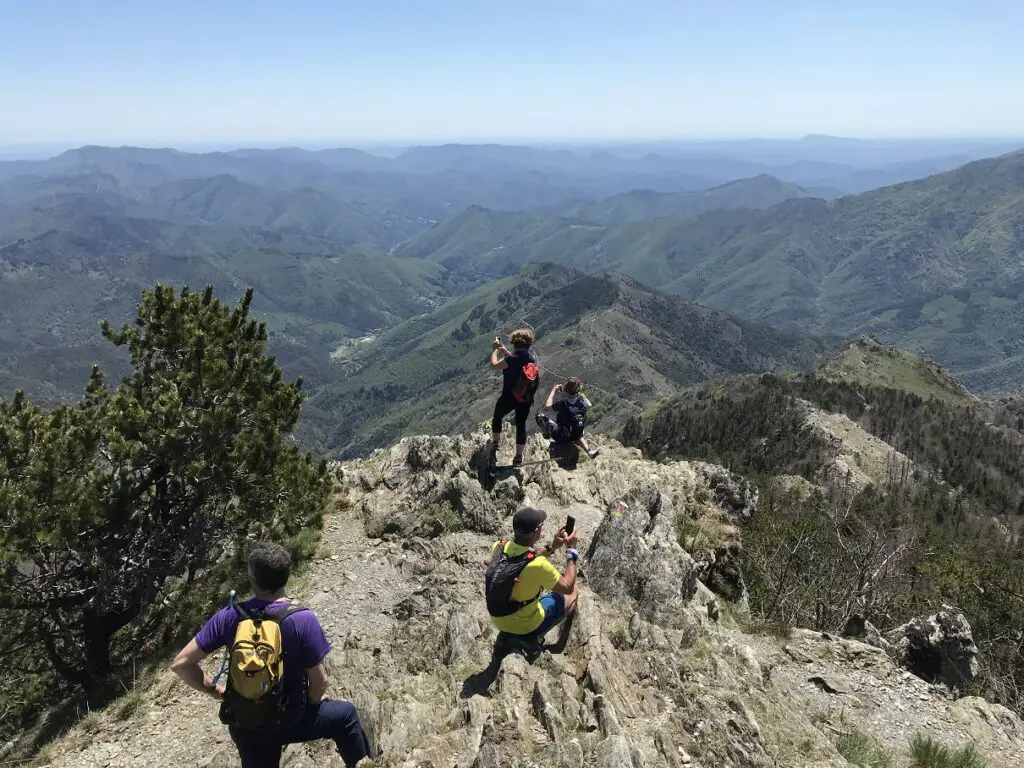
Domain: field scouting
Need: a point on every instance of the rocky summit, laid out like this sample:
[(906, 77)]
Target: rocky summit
[(663, 668)]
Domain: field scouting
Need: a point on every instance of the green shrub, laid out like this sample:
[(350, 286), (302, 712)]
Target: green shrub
[(927, 752), (862, 751)]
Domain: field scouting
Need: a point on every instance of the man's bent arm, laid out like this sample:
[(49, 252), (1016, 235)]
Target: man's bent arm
[(498, 358), (567, 583), (317, 677), (186, 666)]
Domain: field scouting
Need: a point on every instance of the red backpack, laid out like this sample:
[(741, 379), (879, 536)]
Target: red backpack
[(527, 383)]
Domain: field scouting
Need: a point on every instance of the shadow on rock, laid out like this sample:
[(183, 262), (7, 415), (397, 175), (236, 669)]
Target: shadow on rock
[(479, 683)]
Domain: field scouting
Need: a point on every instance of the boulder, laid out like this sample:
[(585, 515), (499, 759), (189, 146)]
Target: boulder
[(636, 554), (421, 487), (733, 493), (938, 648), (859, 628)]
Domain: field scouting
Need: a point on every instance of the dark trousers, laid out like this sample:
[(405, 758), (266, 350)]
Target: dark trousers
[(506, 404), (335, 720)]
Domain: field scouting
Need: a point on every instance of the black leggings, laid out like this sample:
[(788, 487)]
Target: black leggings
[(506, 404)]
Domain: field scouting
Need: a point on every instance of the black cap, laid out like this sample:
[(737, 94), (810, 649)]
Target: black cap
[(527, 519)]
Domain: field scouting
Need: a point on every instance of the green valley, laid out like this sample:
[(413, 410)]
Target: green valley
[(629, 343)]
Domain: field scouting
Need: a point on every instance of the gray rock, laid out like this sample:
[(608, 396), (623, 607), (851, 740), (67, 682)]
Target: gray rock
[(547, 713), (459, 633), (859, 628), (938, 648), (421, 487), (488, 757), (725, 576), (734, 493), (636, 555), (616, 752)]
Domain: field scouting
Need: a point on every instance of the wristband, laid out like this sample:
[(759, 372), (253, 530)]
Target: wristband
[(572, 555)]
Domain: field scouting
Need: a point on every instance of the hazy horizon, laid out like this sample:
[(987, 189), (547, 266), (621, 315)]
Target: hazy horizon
[(33, 151), (589, 71)]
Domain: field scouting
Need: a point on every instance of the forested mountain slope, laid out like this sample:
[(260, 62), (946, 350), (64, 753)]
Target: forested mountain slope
[(930, 265), (920, 493), (628, 342)]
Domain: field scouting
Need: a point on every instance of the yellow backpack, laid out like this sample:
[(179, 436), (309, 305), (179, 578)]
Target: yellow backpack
[(254, 696)]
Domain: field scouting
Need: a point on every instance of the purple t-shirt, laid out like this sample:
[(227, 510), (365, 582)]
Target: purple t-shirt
[(303, 646)]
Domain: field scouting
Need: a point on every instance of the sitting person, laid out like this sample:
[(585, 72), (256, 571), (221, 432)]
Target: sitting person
[(518, 577), (570, 406)]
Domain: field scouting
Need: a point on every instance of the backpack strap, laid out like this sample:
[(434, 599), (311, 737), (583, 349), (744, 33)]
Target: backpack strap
[(279, 614), (283, 612), (502, 543)]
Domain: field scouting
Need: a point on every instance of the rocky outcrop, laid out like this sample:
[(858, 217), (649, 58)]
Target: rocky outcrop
[(657, 672), (635, 554), (938, 648), (734, 493)]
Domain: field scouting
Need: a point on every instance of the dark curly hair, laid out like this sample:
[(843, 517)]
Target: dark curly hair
[(270, 566)]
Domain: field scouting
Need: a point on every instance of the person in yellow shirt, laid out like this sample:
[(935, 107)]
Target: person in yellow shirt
[(526, 594)]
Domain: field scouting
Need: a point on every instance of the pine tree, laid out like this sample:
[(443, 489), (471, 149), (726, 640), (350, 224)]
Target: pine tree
[(105, 503)]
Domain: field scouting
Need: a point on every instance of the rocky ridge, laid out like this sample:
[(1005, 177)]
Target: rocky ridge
[(659, 671)]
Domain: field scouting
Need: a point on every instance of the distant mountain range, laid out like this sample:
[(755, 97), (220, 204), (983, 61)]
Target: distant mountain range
[(341, 244), (761, 191)]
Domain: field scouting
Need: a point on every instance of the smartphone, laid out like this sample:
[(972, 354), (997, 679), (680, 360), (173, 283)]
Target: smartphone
[(570, 524)]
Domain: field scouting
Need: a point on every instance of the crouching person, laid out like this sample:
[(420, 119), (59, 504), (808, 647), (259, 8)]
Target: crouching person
[(526, 594), (275, 692), (570, 406)]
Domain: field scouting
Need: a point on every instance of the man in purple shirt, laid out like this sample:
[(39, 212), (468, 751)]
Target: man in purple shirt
[(308, 713)]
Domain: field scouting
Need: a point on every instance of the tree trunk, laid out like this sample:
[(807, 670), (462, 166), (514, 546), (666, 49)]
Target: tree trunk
[(97, 646), (97, 634)]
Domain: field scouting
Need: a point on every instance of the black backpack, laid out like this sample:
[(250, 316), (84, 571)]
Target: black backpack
[(502, 575), (575, 415)]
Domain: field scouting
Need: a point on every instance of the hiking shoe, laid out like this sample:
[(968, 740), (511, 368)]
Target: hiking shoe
[(594, 453), (517, 461), (543, 424), (529, 646)]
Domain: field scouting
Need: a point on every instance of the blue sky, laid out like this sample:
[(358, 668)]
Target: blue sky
[(381, 70)]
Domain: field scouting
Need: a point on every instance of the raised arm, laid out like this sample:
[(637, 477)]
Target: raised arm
[(551, 397), (498, 354), (567, 582)]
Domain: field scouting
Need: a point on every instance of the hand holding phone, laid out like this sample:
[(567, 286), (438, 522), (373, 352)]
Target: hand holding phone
[(570, 524)]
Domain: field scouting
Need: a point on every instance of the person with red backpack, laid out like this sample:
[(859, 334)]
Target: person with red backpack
[(521, 378)]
